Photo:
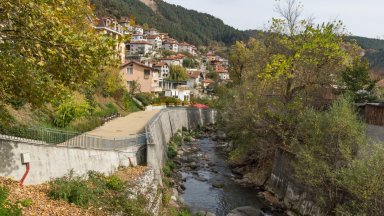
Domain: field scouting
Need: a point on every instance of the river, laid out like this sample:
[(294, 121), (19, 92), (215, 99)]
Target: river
[(209, 183)]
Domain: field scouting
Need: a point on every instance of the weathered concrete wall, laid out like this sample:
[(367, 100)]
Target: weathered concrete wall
[(165, 124), (296, 196), (50, 161)]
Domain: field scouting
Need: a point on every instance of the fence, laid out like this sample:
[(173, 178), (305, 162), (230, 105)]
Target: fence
[(71, 139), (98, 142)]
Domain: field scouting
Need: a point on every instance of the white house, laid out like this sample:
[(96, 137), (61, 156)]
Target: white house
[(223, 73), (181, 92), (172, 61), (112, 28), (138, 29), (152, 31), (138, 37), (171, 45), (155, 40), (195, 78), (163, 68), (125, 23), (186, 47), (140, 48)]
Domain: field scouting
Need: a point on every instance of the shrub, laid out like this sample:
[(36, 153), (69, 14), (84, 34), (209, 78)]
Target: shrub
[(167, 171), (72, 189), (26, 202), (114, 183), (172, 150), (145, 98), (7, 208), (68, 110)]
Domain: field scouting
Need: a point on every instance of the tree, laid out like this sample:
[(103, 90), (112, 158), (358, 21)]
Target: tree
[(190, 63), (326, 143), (276, 77), (213, 75), (177, 73), (356, 81), (46, 47)]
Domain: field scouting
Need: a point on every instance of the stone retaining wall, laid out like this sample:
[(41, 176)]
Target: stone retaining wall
[(165, 124)]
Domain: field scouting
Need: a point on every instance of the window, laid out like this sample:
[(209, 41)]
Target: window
[(129, 83), (129, 70), (146, 73)]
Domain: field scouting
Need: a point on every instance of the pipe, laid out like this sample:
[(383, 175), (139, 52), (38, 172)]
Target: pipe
[(25, 175)]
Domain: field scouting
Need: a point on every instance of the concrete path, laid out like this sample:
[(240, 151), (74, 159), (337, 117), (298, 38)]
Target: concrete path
[(125, 126)]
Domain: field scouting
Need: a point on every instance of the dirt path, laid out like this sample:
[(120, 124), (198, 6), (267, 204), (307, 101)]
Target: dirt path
[(125, 126)]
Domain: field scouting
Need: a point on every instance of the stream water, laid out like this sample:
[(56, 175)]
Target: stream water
[(209, 184)]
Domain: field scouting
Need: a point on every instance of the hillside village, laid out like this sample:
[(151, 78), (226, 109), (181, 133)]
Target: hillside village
[(149, 57)]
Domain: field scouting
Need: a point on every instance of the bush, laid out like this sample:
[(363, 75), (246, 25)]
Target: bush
[(145, 98), (167, 171), (7, 208), (72, 189), (172, 151), (114, 183), (68, 110), (85, 124)]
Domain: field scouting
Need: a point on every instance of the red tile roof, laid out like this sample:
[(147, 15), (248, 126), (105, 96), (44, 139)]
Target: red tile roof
[(194, 74)]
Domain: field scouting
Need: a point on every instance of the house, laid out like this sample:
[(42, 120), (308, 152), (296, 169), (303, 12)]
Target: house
[(145, 76), (155, 40), (138, 29), (195, 78), (163, 68), (177, 89), (111, 27), (164, 36), (171, 45), (152, 32), (211, 57), (223, 73), (125, 23), (138, 37), (172, 60), (207, 83), (186, 47), (140, 48)]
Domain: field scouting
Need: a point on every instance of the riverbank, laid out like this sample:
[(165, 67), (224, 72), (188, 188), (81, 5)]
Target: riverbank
[(198, 169)]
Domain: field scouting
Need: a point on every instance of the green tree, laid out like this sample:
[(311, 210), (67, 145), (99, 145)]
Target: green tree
[(326, 143), (276, 77), (190, 63), (356, 81), (364, 181), (177, 73), (46, 47), (213, 75)]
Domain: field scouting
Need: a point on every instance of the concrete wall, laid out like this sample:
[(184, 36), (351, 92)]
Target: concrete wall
[(296, 196), (165, 124), (50, 162)]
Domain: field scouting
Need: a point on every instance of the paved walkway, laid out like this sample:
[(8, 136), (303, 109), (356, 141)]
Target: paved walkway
[(125, 126)]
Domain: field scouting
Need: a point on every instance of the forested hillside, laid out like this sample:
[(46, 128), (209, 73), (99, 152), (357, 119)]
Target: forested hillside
[(201, 28), (374, 52), (183, 24)]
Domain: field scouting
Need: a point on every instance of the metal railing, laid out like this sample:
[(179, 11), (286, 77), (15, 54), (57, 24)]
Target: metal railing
[(40, 135), (104, 143), (70, 139)]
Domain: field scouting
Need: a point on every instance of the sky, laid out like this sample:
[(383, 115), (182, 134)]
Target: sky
[(361, 17)]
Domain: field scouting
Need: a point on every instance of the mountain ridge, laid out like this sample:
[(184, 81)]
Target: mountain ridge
[(202, 28)]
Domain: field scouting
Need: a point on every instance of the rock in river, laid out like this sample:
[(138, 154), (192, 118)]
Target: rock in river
[(245, 211)]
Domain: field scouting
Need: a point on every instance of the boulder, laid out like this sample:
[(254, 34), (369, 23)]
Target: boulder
[(205, 213), (245, 211)]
